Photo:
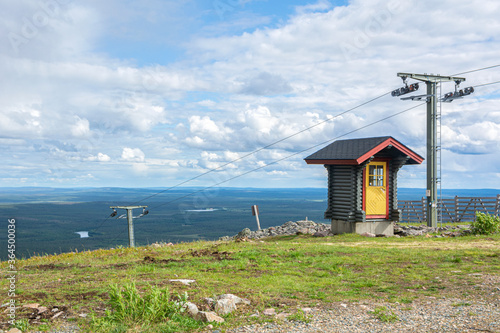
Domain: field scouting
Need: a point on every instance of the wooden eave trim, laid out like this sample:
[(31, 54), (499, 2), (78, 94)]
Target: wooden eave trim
[(333, 162), (377, 217), (417, 158)]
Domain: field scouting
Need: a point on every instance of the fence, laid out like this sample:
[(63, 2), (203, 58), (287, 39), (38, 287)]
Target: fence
[(459, 209)]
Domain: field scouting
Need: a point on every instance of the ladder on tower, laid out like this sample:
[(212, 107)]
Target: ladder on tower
[(438, 150)]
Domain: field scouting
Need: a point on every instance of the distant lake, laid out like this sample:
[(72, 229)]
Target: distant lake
[(83, 234)]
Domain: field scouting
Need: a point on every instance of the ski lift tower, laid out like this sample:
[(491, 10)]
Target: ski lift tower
[(432, 146), (130, 217)]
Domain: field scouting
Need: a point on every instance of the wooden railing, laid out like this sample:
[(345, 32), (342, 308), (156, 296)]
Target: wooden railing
[(458, 209)]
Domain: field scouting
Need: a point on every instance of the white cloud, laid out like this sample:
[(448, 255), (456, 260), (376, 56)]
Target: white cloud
[(133, 155), (479, 138), (266, 84), (211, 160), (257, 126), (203, 125), (100, 157), (277, 173), (78, 86), (231, 155), (140, 168), (206, 133), (80, 128), (321, 5)]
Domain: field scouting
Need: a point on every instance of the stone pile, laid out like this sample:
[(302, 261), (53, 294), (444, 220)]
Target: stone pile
[(289, 228), (221, 305), (446, 231), (322, 230), (161, 244)]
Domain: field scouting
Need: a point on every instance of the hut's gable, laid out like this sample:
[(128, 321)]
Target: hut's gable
[(357, 151)]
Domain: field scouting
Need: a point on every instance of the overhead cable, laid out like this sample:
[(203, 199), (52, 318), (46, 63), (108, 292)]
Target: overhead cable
[(287, 157)]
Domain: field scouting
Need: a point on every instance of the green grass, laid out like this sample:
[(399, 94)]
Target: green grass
[(300, 316), (384, 315), (286, 273), (462, 304), (154, 307)]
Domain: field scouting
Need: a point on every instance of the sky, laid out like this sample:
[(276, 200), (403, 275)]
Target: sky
[(155, 93)]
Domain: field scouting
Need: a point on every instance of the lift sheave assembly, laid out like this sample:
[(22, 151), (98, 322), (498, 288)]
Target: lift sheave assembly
[(449, 97)]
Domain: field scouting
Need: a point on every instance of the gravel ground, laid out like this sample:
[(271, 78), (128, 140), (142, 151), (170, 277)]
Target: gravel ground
[(449, 315), (428, 315)]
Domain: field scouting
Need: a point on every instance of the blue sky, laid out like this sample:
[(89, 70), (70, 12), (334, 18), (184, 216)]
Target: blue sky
[(155, 92)]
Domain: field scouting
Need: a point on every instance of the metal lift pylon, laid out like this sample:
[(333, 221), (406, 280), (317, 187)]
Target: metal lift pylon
[(432, 145), (130, 220)]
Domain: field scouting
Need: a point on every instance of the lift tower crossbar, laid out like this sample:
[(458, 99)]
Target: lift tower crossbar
[(432, 176), (130, 217)]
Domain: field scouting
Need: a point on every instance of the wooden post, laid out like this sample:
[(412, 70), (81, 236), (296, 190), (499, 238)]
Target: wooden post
[(497, 205), (424, 210), (255, 212)]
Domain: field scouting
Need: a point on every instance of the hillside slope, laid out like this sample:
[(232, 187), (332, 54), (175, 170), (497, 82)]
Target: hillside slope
[(286, 273)]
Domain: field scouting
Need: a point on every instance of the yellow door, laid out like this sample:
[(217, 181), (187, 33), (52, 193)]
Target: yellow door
[(376, 189)]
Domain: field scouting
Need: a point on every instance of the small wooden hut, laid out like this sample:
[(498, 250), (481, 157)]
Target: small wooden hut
[(362, 182)]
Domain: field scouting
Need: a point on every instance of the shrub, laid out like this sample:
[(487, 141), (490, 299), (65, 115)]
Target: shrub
[(130, 308), (22, 324), (485, 224)]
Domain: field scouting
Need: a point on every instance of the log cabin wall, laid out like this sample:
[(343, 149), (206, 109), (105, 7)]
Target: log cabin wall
[(341, 192)]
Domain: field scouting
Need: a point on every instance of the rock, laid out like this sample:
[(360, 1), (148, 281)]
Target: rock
[(269, 312), (245, 233), (191, 309), (209, 302), (323, 233), (414, 232), (57, 315), (306, 310), (368, 234), (302, 231), (183, 281), (209, 317), (289, 228), (210, 326), (14, 330), (282, 315), (31, 306), (420, 230), (236, 299), (161, 244), (225, 306), (42, 309), (243, 239)]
